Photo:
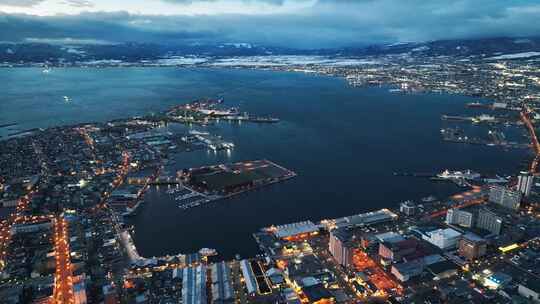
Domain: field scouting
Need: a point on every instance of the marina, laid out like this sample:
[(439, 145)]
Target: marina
[(460, 178), (213, 142)]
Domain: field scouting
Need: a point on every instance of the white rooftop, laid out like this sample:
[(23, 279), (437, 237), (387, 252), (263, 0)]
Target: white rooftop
[(287, 230), (447, 233)]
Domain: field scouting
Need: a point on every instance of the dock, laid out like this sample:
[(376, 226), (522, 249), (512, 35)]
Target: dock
[(494, 138), (456, 118)]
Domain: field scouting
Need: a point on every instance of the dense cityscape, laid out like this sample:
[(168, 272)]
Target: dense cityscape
[(69, 189), (269, 152)]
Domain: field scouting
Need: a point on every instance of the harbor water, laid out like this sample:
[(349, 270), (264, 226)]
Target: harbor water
[(344, 143)]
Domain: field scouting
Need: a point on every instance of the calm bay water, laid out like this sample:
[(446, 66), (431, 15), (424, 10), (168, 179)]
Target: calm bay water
[(344, 143)]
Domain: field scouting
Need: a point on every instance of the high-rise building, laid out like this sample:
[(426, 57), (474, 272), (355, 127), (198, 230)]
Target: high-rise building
[(471, 246), (341, 246), (489, 221), (459, 217), (407, 208), (505, 197), (525, 182)]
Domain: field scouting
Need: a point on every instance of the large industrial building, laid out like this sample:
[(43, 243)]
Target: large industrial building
[(365, 219), (194, 285), (222, 290), (295, 229)]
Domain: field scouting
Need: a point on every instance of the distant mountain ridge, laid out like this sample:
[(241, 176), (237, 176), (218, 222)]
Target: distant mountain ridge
[(134, 52)]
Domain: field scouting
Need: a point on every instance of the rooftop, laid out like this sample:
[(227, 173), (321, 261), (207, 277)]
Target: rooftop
[(368, 218), (283, 231)]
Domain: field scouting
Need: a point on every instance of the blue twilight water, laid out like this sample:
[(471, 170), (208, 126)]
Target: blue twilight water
[(344, 143)]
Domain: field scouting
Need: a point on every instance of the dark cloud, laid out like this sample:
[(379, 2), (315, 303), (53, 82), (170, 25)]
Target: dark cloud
[(328, 23), (110, 27)]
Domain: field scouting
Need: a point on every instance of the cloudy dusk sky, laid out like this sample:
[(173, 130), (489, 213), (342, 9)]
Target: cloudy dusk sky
[(293, 23)]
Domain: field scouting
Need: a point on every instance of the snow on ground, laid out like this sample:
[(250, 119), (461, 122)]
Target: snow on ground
[(104, 62), (181, 61), (248, 61), (515, 56), (271, 61)]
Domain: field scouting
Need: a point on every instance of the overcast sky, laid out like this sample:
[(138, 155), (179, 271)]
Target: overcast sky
[(293, 23)]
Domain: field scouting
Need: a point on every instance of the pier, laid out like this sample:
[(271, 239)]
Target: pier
[(494, 138), (206, 111)]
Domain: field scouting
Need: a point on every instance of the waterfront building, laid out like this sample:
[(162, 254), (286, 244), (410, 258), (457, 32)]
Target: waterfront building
[(365, 219), (341, 246), (505, 197), (472, 246), (194, 285), (294, 229), (459, 217), (489, 221), (525, 182), (222, 290), (249, 277), (408, 208)]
